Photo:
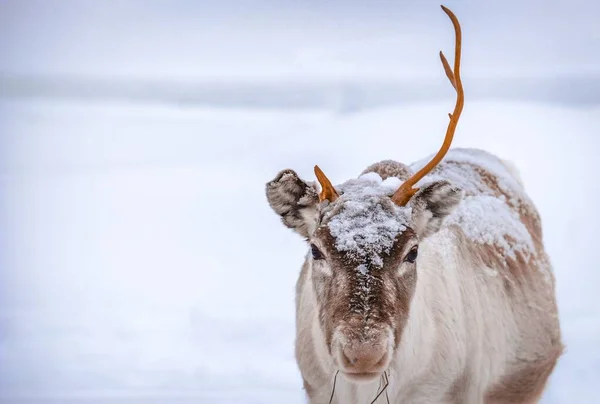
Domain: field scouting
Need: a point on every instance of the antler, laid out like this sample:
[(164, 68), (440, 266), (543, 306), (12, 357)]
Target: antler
[(406, 190), (327, 190)]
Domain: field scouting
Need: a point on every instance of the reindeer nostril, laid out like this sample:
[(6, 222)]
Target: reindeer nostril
[(348, 358)]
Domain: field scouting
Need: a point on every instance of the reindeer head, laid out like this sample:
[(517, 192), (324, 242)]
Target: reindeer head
[(363, 238)]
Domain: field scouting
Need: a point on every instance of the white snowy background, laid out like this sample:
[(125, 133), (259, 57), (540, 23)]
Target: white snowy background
[(139, 260)]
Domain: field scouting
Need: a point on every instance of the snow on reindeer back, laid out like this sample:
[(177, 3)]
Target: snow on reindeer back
[(363, 221), (484, 216)]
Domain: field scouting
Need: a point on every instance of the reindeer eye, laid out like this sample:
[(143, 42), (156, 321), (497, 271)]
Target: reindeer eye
[(316, 253), (412, 255)]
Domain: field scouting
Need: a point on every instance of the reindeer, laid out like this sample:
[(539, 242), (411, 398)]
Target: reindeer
[(423, 283)]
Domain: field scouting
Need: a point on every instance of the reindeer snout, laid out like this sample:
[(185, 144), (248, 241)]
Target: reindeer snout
[(364, 360)]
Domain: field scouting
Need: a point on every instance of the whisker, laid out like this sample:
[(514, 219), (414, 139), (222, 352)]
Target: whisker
[(386, 392), (381, 392), (333, 390)]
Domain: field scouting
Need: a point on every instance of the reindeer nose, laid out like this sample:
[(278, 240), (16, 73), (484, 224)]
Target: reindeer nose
[(364, 358)]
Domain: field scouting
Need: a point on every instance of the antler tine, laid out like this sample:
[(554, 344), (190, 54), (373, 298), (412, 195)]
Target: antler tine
[(406, 190), (328, 192), (448, 70)]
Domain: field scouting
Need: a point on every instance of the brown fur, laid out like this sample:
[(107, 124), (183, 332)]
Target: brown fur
[(390, 296), (459, 389), (525, 384), (308, 388), (389, 168)]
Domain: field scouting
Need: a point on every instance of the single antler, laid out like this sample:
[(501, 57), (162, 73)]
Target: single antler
[(327, 190), (406, 190)]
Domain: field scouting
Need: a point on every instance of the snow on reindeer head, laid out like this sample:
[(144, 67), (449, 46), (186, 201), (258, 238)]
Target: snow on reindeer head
[(363, 237)]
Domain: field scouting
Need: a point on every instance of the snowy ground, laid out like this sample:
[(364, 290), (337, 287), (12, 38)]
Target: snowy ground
[(140, 262)]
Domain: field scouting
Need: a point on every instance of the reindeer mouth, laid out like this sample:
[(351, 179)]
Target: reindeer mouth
[(362, 377)]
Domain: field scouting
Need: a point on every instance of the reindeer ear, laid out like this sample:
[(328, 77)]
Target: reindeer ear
[(431, 204), (295, 201)]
